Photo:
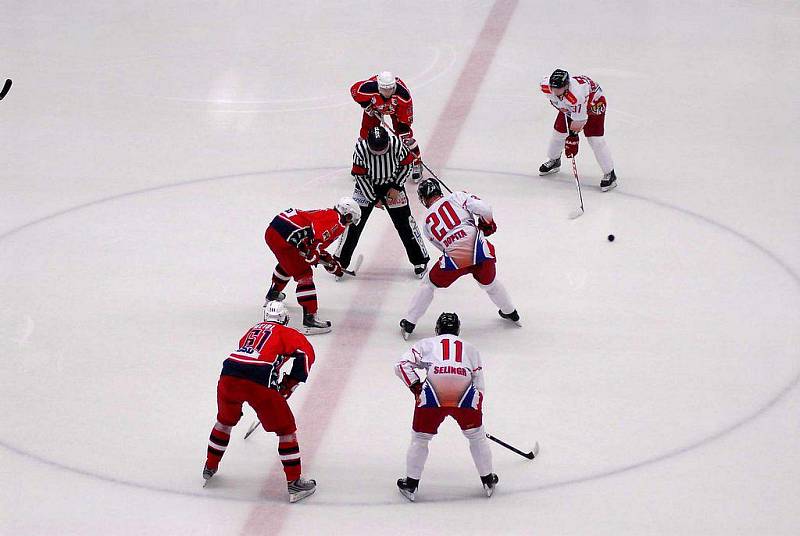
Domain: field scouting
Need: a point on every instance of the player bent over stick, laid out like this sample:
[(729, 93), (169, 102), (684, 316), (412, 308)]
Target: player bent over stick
[(298, 239), (450, 226), (250, 374), (453, 386)]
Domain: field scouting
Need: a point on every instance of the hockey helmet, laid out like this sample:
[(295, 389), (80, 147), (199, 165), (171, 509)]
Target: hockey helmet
[(378, 140), (559, 79), (276, 311), (428, 189), (347, 206), (386, 83), (448, 323)]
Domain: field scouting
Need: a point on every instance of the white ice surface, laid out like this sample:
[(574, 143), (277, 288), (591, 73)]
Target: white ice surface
[(144, 146)]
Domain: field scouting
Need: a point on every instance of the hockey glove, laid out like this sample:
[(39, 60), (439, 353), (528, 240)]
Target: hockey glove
[(287, 386), (330, 264), (416, 388), (309, 250), (571, 146), (488, 227)]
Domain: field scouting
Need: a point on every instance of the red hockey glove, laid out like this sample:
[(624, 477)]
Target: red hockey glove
[(416, 388), (571, 146), (330, 264), (488, 227), (309, 250), (287, 386)]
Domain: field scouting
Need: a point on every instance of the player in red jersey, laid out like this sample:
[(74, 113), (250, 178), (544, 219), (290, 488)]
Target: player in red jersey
[(298, 239), (385, 94), (251, 374)]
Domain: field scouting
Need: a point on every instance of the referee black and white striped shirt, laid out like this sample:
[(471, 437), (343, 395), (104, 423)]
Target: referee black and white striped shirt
[(374, 170)]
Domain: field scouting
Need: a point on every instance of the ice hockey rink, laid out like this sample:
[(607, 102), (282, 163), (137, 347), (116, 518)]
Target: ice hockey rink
[(146, 146)]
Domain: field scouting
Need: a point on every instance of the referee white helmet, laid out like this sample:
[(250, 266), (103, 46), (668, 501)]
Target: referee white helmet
[(347, 206)]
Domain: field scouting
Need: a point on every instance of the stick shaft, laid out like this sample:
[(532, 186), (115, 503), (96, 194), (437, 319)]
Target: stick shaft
[(529, 455)]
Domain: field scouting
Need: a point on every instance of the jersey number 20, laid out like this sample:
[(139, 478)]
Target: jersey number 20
[(442, 221)]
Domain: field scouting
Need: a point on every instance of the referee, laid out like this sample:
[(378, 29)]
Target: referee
[(381, 165)]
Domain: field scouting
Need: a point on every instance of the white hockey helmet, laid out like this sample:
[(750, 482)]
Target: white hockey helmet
[(276, 311), (386, 83), (348, 206)]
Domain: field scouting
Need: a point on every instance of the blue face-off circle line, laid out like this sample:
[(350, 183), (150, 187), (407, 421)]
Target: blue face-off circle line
[(792, 384)]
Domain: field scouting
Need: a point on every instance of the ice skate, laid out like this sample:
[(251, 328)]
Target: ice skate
[(207, 474), (416, 172), (609, 181), (273, 295), (551, 166), (420, 269), (408, 487), (512, 316), (300, 489), (406, 328), (314, 326), (489, 482)]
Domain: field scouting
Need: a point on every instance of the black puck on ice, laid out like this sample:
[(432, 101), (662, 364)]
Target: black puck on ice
[(610, 238)]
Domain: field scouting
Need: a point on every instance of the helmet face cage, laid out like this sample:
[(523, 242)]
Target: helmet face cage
[(275, 311), (378, 140), (427, 189), (448, 324)]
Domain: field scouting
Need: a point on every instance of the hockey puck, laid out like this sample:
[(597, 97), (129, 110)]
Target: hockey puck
[(610, 238)]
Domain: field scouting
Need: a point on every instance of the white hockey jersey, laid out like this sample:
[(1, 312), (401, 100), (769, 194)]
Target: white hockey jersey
[(454, 373), (582, 97), (450, 226)]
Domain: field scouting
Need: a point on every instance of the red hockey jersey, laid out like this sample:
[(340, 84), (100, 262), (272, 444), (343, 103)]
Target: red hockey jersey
[(295, 225), (398, 105)]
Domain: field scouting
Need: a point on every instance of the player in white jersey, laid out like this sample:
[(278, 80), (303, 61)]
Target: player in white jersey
[(453, 385), (450, 226), (581, 100)]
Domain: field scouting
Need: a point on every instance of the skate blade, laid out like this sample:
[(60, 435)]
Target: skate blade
[(307, 330), (300, 495), (407, 494), (609, 187), (488, 490)]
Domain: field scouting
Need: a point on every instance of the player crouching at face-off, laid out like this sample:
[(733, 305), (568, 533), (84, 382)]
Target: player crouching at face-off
[(298, 239), (450, 226), (250, 374), (453, 386)]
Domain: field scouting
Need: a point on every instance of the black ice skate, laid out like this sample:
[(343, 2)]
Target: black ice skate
[(512, 316), (408, 487), (273, 295), (207, 474), (300, 489), (313, 326), (406, 328), (609, 181), (420, 269), (551, 166), (489, 482)]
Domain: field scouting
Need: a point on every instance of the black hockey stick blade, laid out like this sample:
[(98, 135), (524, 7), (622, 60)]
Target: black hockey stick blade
[(5, 89), (252, 429), (530, 455)]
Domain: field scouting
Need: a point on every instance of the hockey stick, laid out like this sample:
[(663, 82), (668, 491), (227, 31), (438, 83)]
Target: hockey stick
[(390, 129), (252, 429), (530, 455), (578, 212), (356, 266), (6, 87)]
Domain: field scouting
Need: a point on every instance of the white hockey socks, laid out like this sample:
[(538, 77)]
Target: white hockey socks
[(417, 454), (479, 448), (497, 293), (421, 301), (556, 145), (602, 153)]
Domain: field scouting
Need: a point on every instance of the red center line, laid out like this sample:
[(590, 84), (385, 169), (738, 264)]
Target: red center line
[(330, 375)]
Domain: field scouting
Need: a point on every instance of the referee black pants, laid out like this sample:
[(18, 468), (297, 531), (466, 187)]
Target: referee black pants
[(404, 223)]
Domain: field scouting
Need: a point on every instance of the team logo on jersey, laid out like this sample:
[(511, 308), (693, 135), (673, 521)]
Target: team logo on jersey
[(325, 235)]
